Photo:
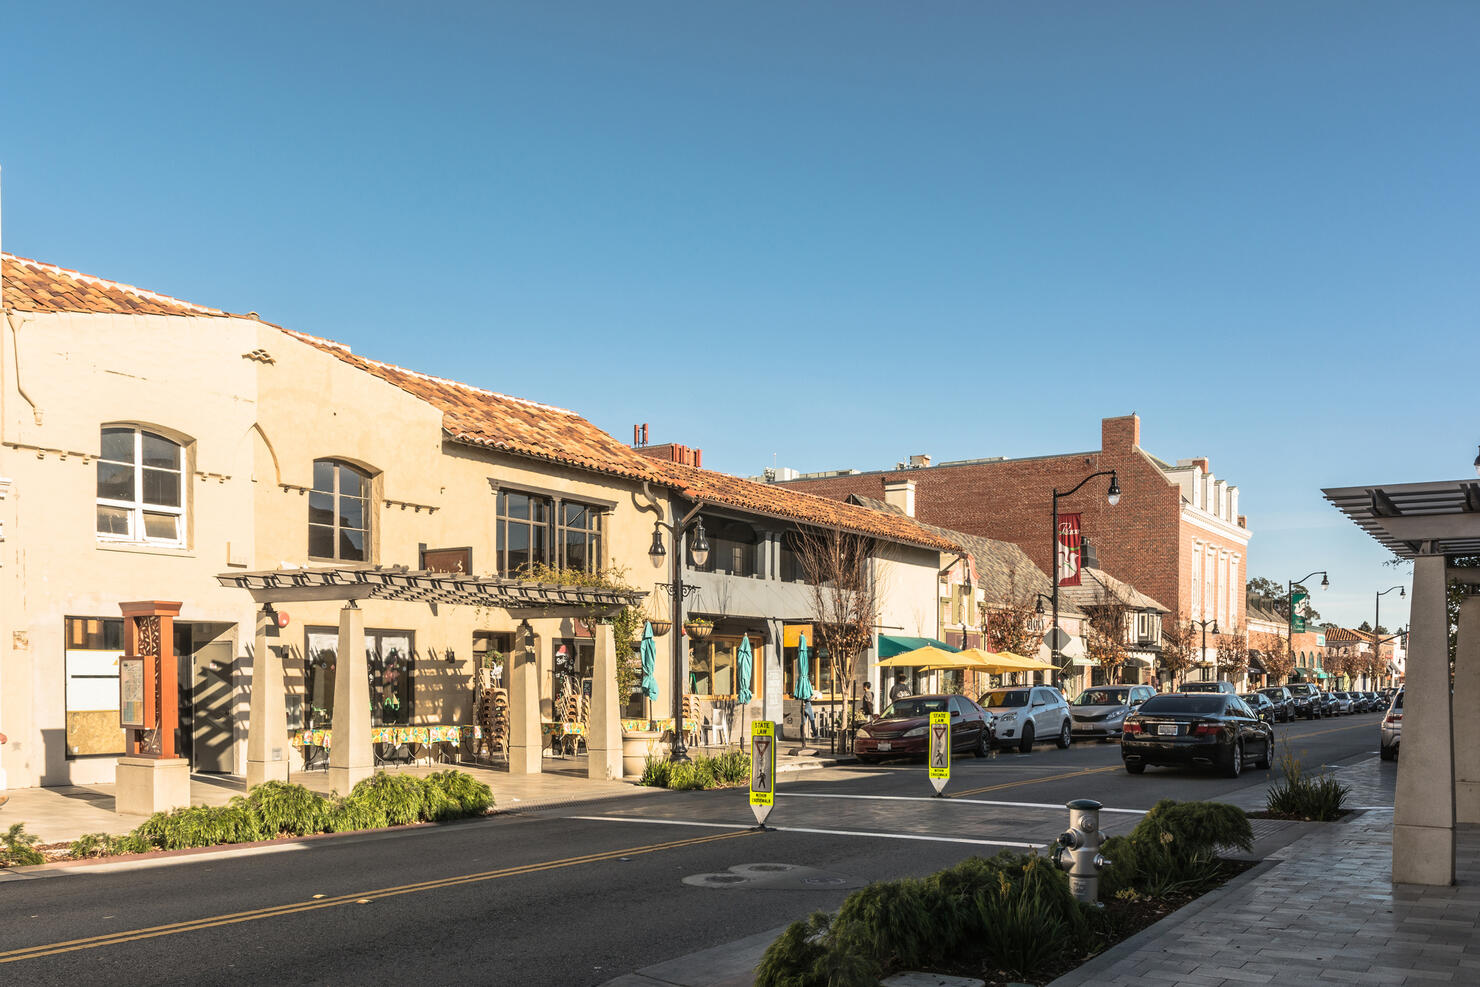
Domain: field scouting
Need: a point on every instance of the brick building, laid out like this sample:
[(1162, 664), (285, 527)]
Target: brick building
[(1176, 534)]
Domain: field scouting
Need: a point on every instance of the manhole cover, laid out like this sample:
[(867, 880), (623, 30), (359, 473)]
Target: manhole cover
[(723, 878)]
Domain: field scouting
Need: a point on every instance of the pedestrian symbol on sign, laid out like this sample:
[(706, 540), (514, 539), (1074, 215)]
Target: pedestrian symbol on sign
[(762, 769), (940, 750)]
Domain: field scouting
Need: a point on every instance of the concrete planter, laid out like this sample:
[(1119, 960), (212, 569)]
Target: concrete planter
[(637, 746)]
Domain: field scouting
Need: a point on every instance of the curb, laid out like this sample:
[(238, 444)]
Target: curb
[(1091, 972)]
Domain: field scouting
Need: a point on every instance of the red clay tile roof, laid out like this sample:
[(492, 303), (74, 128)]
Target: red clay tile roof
[(480, 417), (766, 498), (32, 286)]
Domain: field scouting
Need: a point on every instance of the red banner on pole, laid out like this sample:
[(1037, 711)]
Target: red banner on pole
[(1068, 542)]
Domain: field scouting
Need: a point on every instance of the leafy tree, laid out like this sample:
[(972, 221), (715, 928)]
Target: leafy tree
[(1105, 644), (1275, 655), (838, 566), (1365, 627), (1276, 598), (1179, 646), (1233, 656)]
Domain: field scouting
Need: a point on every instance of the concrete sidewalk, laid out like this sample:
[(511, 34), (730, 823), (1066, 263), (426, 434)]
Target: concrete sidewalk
[(1321, 910), (60, 815)]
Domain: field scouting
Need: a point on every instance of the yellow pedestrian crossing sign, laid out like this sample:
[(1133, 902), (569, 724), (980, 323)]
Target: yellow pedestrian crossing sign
[(940, 750), (762, 768)]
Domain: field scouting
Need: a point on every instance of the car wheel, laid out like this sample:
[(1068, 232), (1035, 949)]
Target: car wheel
[(980, 750), (1388, 753), (1064, 738), (1263, 763), (1025, 745), (1235, 765), (1135, 768)]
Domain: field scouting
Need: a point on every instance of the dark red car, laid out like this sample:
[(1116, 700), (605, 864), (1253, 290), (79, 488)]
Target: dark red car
[(902, 729)]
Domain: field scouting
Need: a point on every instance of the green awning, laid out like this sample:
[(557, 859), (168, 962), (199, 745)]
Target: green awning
[(891, 645)]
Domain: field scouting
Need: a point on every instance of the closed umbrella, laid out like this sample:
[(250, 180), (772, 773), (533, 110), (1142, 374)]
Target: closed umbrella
[(649, 652), (803, 688), (745, 660)]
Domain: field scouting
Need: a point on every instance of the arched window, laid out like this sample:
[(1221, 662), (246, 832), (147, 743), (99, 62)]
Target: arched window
[(339, 512), (141, 492)]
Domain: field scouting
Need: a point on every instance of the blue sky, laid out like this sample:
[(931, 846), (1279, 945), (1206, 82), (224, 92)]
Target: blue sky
[(832, 233)]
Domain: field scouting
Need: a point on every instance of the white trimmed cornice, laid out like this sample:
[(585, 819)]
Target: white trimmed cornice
[(1217, 526)]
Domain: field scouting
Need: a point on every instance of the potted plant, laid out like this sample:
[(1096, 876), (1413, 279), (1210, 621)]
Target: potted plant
[(661, 627), (698, 628)]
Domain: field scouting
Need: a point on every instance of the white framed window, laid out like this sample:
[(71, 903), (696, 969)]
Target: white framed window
[(1225, 589), (1210, 576), (141, 488), (1197, 579)]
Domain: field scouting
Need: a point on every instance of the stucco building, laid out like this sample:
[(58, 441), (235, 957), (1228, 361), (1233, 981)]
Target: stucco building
[(149, 444)]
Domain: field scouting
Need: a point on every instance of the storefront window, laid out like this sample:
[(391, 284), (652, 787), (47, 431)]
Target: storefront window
[(714, 666), (389, 658), (94, 645), (571, 668), (791, 569), (733, 549), (819, 670)]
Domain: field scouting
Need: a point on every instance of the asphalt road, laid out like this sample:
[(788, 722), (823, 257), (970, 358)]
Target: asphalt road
[(577, 895)]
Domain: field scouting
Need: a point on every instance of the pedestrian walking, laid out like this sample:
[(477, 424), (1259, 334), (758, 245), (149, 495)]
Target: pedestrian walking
[(808, 717), (868, 699), (900, 689)]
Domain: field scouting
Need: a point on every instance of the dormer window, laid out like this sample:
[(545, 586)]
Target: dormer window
[(339, 512), (140, 488)]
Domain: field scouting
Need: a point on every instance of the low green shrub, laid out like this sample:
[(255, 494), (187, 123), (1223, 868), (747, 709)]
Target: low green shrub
[(1174, 846), (453, 794), (1299, 796), (277, 808), (1012, 912), (18, 848), (702, 772)]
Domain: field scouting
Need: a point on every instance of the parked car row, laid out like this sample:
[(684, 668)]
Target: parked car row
[(1022, 716), (1392, 729)]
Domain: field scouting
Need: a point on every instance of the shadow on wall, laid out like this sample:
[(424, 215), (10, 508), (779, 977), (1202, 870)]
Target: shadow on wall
[(54, 754)]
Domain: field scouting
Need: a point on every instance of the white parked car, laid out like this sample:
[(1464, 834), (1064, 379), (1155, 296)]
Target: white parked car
[(1029, 714)]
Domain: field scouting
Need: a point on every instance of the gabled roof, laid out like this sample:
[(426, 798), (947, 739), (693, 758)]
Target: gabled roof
[(768, 499), (1096, 587), (32, 286), (484, 418), (498, 421)]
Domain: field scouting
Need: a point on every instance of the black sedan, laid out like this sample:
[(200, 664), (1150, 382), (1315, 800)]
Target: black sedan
[(1262, 705), (903, 728), (1202, 730), (1284, 703)]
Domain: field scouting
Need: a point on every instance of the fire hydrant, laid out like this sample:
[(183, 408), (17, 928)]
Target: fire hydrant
[(1078, 850)]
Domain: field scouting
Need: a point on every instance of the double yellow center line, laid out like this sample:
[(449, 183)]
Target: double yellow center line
[(362, 897)]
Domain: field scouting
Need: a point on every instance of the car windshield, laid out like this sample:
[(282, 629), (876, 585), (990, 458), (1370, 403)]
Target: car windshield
[(1005, 697), (1252, 697), (915, 706), (1200, 705), (1274, 693), (1103, 697)]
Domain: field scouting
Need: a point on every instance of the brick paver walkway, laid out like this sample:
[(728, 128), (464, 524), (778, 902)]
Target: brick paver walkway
[(1321, 910)]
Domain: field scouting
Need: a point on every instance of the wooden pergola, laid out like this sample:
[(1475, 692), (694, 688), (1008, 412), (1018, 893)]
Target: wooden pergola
[(350, 757)]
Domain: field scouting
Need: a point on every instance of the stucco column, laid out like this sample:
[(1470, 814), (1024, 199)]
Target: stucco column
[(525, 740), (1467, 728), (773, 675), (1423, 809), (267, 722), (604, 731), (350, 758)]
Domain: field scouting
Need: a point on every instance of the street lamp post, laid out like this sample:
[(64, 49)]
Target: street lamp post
[(1377, 622), (680, 592), (1204, 625), (1113, 496), (1290, 602)]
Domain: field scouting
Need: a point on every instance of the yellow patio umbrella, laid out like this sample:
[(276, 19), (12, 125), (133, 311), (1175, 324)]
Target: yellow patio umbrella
[(920, 658), (1003, 661)]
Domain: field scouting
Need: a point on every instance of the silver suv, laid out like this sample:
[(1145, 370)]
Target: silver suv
[(1392, 729), (1029, 714)]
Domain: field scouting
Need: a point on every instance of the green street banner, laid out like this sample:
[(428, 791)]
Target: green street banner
[(1297, 611)]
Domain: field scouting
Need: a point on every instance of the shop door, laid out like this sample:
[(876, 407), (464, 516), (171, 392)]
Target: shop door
[(211, 735)]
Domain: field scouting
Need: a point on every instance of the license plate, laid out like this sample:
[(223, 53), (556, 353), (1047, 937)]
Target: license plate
[(1167, 730), (884, 745)]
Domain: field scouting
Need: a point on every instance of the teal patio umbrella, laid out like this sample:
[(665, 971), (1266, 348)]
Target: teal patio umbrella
[(745, 660), (803, 688), (649, 652)]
